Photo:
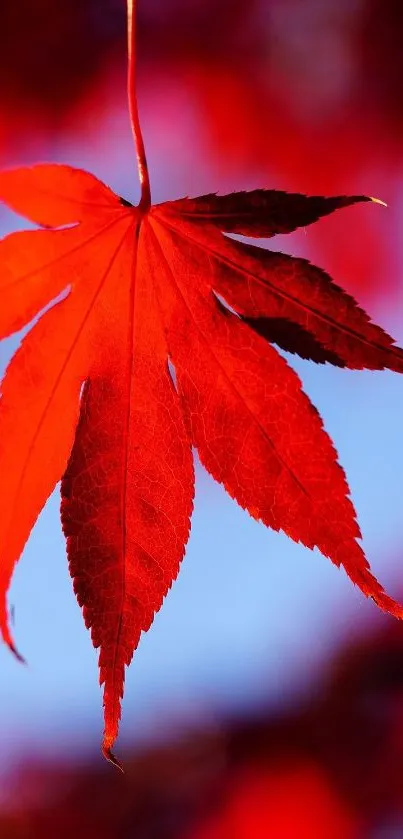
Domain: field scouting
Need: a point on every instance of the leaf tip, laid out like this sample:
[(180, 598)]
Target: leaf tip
[(378, 201), (17, 654), (110, 757), (8, 640)]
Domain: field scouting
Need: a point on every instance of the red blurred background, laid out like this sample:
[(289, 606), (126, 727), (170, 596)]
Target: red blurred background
[(304, 93), (332, 769), (295, 94)]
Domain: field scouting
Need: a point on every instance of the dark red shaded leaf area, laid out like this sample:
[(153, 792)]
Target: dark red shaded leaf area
[(143, 291), (261, 212)]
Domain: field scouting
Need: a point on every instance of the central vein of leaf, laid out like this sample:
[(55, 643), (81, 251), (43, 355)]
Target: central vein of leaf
[(129, 384)]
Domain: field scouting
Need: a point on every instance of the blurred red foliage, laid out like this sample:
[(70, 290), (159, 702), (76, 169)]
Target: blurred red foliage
[(305, 97), (51, 52), (312, 58), (331, 770), (296, 801)]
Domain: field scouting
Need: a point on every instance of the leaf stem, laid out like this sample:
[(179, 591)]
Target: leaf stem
[(145, 200)]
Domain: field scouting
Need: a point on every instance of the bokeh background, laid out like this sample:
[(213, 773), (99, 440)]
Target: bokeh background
[(267, 699)]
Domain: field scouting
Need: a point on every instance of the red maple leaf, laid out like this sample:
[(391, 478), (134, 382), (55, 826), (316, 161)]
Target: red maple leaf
[(90, 397)]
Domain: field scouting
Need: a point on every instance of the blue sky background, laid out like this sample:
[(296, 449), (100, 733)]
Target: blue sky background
[(252, 617)]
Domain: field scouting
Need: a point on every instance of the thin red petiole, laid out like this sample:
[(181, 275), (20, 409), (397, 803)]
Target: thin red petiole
[(145, 200)]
